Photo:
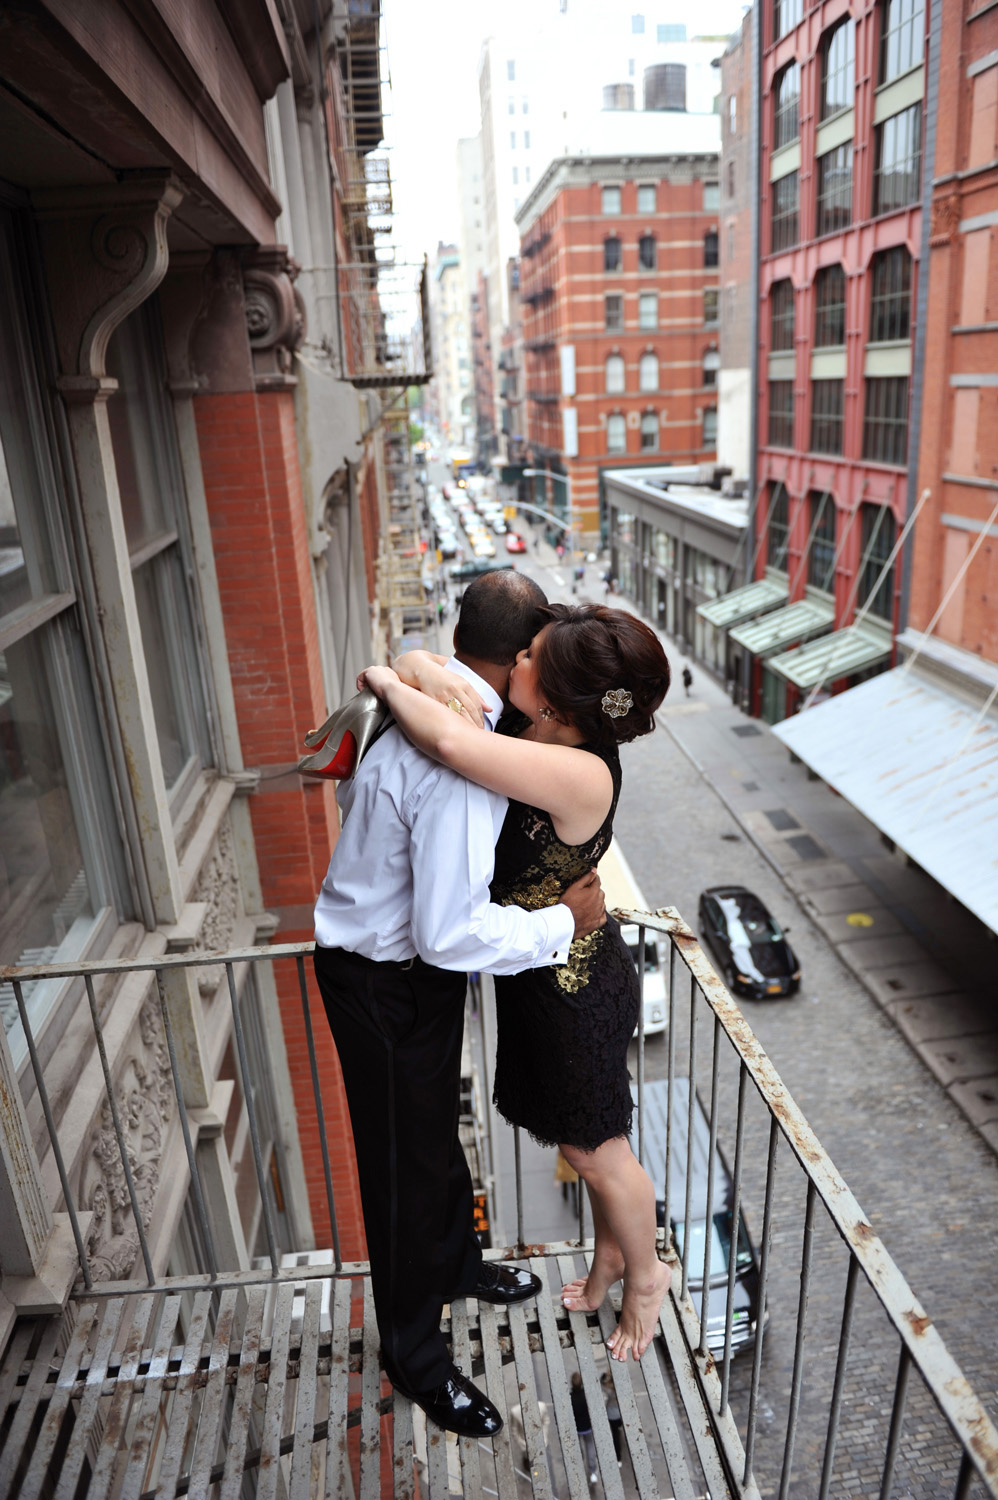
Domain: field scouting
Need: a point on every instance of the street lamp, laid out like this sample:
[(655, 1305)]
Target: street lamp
[(567, 478)]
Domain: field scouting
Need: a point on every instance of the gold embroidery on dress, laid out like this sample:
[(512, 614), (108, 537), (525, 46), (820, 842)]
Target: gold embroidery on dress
[(575, 975)]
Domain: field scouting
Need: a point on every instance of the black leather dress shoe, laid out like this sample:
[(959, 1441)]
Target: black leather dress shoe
[(505, 1283), (458, 1406)]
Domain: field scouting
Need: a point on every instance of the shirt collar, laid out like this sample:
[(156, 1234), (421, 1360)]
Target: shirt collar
[(493, 703)]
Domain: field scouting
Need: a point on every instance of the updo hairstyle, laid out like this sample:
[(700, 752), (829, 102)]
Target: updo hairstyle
[(590, 650)]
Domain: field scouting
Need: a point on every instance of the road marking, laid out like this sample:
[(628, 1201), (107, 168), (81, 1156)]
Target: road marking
[(859, 919)]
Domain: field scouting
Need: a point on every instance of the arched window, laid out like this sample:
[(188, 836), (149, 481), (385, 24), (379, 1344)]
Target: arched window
[(646, 252), (786, 106), (830, 307), (648, 373), (611, 254), (879, 530), (781, 316), (838, 69), (649, 429), (710, 248), (616, 434), (778, 530), (614, 374), (890, 296), (711, 365)]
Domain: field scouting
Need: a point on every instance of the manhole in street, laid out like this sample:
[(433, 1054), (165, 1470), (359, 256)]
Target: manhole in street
[(781, 819), (746, 731), (750, 786), (805, 847)]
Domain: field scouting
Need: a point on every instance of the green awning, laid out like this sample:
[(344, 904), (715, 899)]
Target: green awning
[(744, 603), (783, 627), (833, 656)]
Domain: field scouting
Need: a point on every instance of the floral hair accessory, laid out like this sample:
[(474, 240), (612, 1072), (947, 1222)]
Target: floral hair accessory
[(617, 702)]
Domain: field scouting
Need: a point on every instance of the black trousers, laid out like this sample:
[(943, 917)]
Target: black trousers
[(398, 1032)]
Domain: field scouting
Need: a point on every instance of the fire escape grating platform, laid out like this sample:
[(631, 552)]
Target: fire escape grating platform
[(187, 1391)]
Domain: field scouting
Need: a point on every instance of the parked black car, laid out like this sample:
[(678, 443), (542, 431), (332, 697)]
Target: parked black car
[(748, 943), (475, 567)]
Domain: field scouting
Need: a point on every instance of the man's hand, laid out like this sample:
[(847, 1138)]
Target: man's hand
[(584, 899)]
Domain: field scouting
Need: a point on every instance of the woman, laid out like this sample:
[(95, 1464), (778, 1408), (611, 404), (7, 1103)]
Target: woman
[(591, 680)]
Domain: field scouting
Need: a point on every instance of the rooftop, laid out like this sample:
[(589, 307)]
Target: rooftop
[(666, 488)]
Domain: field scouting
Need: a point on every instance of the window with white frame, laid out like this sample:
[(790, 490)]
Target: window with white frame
[(711, 365), (648, 372), (616, 433), (646, 198), (63, 880), (648, 310), (511, 72), (649, 429), (610, 199), (709, 435), (614, 375)]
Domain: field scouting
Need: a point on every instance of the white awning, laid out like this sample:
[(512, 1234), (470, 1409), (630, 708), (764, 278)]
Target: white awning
[(833, 656), (744, 603), (912, 758), (783, 627)]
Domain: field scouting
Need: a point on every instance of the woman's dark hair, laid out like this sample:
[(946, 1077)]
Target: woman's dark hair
[(590, 650)]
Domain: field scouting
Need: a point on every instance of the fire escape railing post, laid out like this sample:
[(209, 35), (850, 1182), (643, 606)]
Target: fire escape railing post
[(767, 1242), (798, 1375), (254, 1127), (199, 1203), (320, 1114)]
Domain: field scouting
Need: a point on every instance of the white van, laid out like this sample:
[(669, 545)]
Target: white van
[(622, 890)]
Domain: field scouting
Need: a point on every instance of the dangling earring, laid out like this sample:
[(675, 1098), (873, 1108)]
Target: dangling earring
[(546, 713)]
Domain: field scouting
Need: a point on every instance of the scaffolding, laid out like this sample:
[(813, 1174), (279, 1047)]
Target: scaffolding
[(405, 609)]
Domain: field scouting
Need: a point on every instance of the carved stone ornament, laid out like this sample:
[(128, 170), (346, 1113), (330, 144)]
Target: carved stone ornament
[(105, 253), (945, 219), (145, 1100), (217, 886), (275, 316)]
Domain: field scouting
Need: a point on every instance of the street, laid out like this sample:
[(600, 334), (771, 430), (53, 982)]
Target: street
[(924, 1177)]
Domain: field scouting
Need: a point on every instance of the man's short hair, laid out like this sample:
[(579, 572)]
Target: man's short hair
[(500, 615)]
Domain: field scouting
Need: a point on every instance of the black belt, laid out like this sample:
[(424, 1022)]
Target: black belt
[(380, 963)]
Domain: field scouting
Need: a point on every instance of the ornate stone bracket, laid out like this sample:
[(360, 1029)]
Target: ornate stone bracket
[(275, 316), (105, 251)]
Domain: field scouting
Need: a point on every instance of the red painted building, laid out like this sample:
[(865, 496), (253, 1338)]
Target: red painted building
[(842, 121), (618, 287)]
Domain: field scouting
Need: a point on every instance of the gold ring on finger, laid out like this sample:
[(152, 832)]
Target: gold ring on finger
[(456, 705)]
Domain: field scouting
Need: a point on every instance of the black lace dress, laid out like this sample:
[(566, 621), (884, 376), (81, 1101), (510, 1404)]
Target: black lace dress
[(561, 1060)]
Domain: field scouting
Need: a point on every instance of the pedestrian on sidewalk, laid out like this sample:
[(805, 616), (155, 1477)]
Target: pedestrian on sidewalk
[(687, 678), (584, 1426), (613, 1416)]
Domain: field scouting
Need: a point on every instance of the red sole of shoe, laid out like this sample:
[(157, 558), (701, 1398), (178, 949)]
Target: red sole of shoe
[(342, 763)]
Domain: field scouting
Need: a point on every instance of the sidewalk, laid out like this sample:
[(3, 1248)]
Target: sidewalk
[(926, 962)]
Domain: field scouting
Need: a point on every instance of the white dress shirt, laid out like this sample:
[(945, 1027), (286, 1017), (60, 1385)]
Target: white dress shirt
[(411, 869)]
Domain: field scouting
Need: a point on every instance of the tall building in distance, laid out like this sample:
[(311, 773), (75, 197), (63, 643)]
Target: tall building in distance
[(619, 296), (471, 203), (452, 381), (738, 178)]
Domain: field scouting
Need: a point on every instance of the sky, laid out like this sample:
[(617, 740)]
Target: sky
[(433, 53)]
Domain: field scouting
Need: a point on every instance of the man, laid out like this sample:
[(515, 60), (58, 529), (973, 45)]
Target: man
[(402, 917)]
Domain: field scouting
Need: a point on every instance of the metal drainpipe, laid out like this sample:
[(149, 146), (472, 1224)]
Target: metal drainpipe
[(755, 149), (922, 312)]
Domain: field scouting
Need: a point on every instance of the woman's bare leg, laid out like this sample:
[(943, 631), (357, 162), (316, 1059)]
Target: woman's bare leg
[(626, 1198), (586, 1294)]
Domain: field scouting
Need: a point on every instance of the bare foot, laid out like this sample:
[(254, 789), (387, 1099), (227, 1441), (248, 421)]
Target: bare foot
[(639, 1312), (587, 1294)]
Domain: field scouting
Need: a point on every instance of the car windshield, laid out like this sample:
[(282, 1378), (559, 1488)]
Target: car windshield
[(749, 923), (651, 954), (720, 1246)]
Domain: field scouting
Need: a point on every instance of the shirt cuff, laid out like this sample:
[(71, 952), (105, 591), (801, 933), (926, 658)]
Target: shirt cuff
[(561, 934)]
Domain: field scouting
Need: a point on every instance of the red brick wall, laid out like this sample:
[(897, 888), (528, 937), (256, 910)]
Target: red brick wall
[(249, 460)]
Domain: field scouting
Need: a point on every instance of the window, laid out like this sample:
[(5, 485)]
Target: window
[(526, 174), (709, 438), (781, 316), (614, 375), (614, 305), (786, 13), (616, 434), (710, 248), (512, 140), (512, 106), (732, 114), (611, 254), (827, 406), (877, 536), (648, 310), (885, 420), (646, 198), (649, 429), (731, 180), (784, 223), (786, 106), (511, 72), (834, 190), (838, 69), (646, 252), (516, 176), (674, 31), (711, 365), (526, 140), (781, 413), (648, 373), (830, 307), (710, 305), (898, 161), (526, 106), (778, 530), (821, 556), (902, 37), (637, 25), (890, 296), (711, 197), (611, 200)]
